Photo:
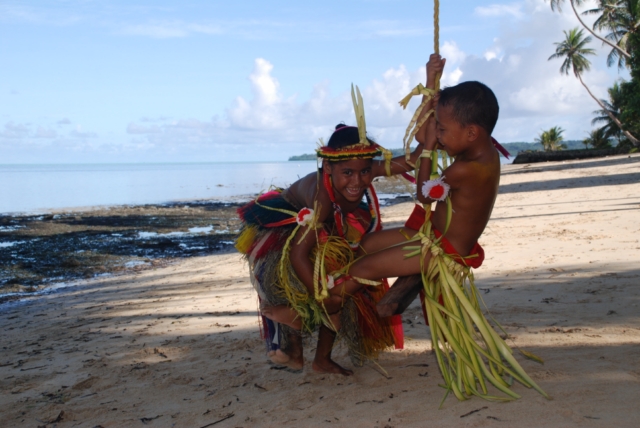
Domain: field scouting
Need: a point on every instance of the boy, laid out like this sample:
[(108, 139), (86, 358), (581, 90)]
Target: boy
[(465, 117)]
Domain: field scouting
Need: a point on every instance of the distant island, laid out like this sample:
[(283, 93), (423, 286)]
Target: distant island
[(305, 157), (513, 148), (312, 156)]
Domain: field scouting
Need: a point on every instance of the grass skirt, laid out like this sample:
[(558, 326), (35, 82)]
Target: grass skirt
[(364, 333)]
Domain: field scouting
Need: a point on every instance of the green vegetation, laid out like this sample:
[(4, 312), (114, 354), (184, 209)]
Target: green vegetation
[(551, 140), (620, 22), (512, 148), (598, 139), (305, 157)]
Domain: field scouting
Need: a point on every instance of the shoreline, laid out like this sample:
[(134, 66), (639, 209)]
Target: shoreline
[(127, 228), (389, 187)]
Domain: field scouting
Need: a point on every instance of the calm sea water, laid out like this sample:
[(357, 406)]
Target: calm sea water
[(29, 188), (36, 188)]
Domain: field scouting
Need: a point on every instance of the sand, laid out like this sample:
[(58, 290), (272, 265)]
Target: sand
[(179, 345)]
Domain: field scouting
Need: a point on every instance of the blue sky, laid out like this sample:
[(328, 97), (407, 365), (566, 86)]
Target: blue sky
[(158, 81)]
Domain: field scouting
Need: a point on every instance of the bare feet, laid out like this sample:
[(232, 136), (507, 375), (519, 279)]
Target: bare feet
[(323, 362), (278, 357), (329, 366), (284, 315), (282, 359)]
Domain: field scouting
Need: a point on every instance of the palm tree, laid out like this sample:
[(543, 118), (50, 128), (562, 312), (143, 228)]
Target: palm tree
[(574, 50), (620, 17), (555, 4), (551, 140), (611, 107), (597, 139)]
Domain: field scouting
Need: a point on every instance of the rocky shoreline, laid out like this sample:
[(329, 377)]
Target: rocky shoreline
[(37, 251)]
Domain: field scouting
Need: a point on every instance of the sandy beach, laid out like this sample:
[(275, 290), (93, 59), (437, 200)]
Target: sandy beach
[(178, 345)]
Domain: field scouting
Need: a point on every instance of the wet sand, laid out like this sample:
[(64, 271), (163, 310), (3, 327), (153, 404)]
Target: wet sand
[(178, 345)]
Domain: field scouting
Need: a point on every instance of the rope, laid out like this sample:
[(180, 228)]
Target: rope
[(428, 94), (436, 26), (436, 34)]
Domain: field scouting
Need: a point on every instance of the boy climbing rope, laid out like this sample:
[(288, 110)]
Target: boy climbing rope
[(466, 115), (442, 245)]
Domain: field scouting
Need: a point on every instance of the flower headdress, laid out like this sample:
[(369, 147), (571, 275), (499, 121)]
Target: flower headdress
[(363, 149)]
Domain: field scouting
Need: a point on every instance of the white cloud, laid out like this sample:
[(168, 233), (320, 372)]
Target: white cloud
[(79, 133), (512, 10), (533, 95), (452, 53), (268, 109), (454, 56), (169, 29), (42, 132), (270, 124), (494, 53), (158, 31), (29, 138), (135, 128), (15, 130)]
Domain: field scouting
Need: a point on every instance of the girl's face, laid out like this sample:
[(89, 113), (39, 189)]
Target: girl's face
[(350, 178)]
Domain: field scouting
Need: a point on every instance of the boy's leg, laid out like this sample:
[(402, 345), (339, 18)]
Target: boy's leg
[(323, 362), (386, 263), (377, 241)]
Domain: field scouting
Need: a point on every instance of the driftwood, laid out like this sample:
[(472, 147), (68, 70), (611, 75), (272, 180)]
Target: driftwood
[(400, 295)]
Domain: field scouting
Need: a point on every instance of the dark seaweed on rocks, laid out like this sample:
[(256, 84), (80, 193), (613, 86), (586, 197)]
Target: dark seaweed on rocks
[(36, 250)]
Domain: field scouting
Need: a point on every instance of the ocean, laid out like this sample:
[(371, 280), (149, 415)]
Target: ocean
[(39, 188), (36, 188)]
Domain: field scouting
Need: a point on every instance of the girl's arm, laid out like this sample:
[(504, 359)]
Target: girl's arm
[(301, 249)]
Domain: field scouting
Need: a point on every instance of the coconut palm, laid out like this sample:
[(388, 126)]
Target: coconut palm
[(611, 107), (574, 50), (597, 139), (620, 17), (551, 140), (556, 4)]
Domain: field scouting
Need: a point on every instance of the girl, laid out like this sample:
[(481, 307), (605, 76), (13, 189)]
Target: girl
[(317, 224)]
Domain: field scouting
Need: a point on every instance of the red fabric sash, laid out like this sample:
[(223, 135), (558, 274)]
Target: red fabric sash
[(473, 260)]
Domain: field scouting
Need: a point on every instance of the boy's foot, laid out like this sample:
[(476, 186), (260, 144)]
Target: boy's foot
[(284, 315), (280, 358), (329, 366)]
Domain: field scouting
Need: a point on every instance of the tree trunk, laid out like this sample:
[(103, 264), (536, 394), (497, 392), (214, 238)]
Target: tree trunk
[(602, 39), (627, 134)]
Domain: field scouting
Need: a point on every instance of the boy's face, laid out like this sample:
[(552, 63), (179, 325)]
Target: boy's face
[(452, 136), (350, 178)]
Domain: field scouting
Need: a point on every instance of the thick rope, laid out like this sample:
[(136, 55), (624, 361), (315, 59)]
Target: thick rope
[(436, 34), (428, 94)]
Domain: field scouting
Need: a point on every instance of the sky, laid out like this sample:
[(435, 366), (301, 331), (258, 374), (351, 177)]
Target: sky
[(84, 81)]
